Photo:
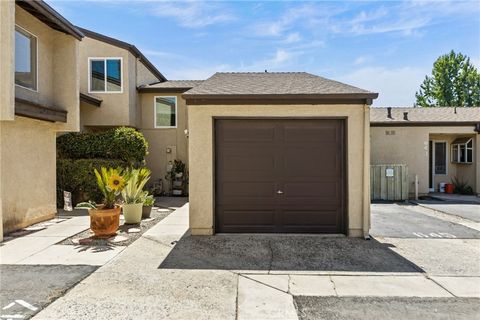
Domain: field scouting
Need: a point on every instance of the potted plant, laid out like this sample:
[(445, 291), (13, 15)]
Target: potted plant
[(105, 218), (133, 196), (148, 203)]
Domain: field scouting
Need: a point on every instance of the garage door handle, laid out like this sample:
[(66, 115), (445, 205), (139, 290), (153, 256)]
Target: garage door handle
[(279, 192)]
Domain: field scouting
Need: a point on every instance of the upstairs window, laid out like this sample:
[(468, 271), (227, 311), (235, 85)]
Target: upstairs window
[(25, 59), (462, 150), (165, 112), (105, 75)]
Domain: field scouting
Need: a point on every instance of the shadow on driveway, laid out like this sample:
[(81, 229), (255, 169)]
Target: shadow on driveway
[(285, 253)]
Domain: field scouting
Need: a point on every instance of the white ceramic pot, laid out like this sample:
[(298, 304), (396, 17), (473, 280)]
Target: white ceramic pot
[(132, 213)]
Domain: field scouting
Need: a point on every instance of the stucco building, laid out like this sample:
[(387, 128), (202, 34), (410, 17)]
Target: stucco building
[(437, 144), (39, 97)]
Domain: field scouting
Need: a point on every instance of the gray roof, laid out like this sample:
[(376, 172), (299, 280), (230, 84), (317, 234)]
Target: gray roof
[(432, 115), (273, 83)]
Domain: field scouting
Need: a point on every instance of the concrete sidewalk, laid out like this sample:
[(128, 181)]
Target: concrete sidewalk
[(168, 274)]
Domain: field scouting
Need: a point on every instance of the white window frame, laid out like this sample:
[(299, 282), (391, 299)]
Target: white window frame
[(105, 66), (466, 153), (155, 113), (37, 84), (446, 158)]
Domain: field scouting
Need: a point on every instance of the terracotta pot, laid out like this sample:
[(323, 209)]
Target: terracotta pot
[(104, 222), (132, 213), (146, 211)]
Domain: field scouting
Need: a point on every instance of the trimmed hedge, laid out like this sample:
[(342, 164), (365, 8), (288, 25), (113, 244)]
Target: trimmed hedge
[(77, 176), (122, 143)]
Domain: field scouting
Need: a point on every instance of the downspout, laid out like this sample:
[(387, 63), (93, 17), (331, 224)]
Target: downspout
[(366, 172)]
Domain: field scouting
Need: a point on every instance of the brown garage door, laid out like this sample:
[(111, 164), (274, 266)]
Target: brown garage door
[(280, 175)]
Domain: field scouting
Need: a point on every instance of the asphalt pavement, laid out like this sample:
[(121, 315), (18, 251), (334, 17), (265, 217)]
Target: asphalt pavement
[(26, 289), (395, 221)]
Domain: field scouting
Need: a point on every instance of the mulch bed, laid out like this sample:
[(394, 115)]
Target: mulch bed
[(126, 234)]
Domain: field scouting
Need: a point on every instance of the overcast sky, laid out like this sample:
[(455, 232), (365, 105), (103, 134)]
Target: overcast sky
[(387, 47)]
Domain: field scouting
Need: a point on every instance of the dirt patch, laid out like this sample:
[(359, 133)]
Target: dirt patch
[(126, 234)]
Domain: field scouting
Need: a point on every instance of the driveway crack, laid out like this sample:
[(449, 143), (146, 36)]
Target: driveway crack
[(270, 263), (333, 283)]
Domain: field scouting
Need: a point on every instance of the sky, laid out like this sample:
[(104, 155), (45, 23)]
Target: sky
[(382, 46)]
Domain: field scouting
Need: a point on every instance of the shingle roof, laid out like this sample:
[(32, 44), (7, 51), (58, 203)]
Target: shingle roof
[(170, 86), (434, 115), (273, 83)]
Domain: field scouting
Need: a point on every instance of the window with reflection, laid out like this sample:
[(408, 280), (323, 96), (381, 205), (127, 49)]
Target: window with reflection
[(25, 59), (106, 75), (165, 112)]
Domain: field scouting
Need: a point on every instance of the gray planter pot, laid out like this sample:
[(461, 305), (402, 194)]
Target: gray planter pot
[(146, 211)]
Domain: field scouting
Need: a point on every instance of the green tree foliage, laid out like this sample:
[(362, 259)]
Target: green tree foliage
[(122, 143), (455, 82)]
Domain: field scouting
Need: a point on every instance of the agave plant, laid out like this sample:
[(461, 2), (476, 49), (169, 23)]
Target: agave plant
[(110, 182), (133, 191)]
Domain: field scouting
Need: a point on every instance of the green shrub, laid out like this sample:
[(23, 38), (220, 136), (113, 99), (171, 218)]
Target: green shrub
[(122, 143), (77, 177)]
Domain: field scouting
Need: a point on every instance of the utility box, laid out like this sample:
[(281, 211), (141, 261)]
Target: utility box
[(389, 182)]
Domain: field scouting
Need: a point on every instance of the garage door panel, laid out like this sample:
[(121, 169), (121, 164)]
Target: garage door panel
[(246, 217), (304, 134), (319, 191), (251, 189), (257, 161), (257, 133), (310, 218), (319, 163)]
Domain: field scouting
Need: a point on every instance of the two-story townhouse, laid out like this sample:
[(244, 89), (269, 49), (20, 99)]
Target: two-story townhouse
[(119, 86), (39, 97)]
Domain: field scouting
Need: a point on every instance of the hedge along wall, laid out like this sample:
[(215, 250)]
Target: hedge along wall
[(79, 153)]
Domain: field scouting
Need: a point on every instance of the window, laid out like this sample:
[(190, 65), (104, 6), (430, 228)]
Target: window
[(462, 150), (440, 158), (165, 112), (25, 59), (105, 75)]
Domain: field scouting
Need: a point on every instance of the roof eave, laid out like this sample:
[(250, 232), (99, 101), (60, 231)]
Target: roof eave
[(423, 123), (163, 89), (350, 98), (49, 16)]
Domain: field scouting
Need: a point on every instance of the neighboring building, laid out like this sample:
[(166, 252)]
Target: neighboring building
[(121, 87), (437, 144), (278, 152), (39, 97)]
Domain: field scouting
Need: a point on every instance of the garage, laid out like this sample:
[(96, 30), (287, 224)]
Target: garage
[(280, 175), (278, 152)]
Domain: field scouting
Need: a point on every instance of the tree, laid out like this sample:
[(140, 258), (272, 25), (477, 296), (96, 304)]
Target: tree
[(455, 82)]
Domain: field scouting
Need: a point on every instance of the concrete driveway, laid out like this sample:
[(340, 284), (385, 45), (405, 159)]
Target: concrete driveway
[(167, 274)]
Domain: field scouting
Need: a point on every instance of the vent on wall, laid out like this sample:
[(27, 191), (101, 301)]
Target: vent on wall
[(390, 132)]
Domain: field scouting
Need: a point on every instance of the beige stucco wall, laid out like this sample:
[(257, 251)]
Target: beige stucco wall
[(409, 145), (117, 108), (27, 146), (27, 172), (159, 139), (201, 151)]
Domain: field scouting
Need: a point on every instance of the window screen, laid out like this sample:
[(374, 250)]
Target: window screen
[(165, 112)]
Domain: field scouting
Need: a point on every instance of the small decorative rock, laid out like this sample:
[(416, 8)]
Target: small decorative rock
[(134, 230), (147, 220), (117, 239)]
